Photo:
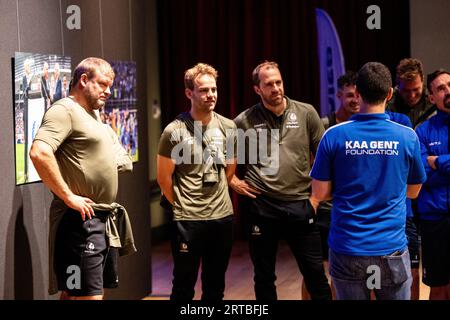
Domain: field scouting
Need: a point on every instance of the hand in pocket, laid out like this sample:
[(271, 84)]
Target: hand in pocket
[(314, 204)]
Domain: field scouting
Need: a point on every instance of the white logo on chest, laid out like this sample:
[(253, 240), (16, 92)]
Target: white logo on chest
[(292, 122)]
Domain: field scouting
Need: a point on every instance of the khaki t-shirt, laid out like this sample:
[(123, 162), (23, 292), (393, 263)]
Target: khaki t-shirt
[(83, 149), (284, 173), (194, 199)]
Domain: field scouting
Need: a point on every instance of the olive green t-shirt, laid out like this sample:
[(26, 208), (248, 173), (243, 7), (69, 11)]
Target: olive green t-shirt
[(284, 173), (83, 149), (193, 198)]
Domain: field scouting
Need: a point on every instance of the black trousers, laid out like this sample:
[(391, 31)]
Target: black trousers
[(206, 242), (272, 220)]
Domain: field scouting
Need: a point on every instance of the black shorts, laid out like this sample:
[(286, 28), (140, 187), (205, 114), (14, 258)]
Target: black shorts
[(413, 243), (436, 252), (80, 253)]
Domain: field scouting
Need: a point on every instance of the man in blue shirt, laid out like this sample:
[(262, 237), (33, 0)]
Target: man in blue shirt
[(433, 204), (369, 165), (412, 234)]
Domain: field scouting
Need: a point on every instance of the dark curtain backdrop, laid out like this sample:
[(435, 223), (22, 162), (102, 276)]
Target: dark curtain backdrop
[(235, 35)]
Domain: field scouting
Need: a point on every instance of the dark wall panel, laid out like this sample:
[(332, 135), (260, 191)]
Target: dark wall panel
[(91, 44), (430, 39), (117, 47), (40, 26), (73, 39), (116, 40)]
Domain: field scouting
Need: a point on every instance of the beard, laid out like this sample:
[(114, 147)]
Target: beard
[(94, 103), (273, 101), (447, 101)]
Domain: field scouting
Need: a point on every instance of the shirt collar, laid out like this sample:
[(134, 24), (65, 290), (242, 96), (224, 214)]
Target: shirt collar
[(443, 116), (369, 116), (273, 115)]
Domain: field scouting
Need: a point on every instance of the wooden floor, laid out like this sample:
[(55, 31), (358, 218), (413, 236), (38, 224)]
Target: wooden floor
[(239, 277)]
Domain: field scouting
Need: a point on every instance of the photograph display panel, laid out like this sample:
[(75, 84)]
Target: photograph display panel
[(39, 81), (120, 111)]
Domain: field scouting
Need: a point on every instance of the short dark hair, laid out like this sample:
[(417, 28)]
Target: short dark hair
[(347, 79), (265, 64), (434, 75), (373, 82)]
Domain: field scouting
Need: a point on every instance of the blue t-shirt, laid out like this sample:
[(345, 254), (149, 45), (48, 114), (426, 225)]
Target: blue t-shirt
[(434, 198), (404, 120), (370, 160), (399, 118)]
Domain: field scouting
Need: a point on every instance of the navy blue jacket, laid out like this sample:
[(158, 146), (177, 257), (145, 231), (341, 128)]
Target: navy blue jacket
[(435, 194)]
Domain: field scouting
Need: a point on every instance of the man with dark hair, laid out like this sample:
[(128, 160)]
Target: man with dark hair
[(348, 98), (434, 199), (410, 96), (412, 234), (349, 105), (369, 165), (411, 99), (196, 184), (288, 132)]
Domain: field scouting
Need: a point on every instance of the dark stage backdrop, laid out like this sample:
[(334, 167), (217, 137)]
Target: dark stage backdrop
[(235, 35)]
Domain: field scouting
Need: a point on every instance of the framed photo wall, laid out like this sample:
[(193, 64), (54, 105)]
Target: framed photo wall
[(120, 111), (39, 80)]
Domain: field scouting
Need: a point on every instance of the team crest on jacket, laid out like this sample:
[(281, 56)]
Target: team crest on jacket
[(292, 122), (292, 116), (183, 247), (256, 231)]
